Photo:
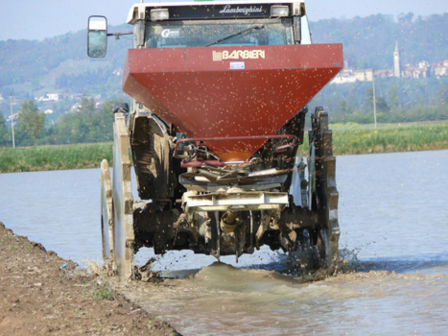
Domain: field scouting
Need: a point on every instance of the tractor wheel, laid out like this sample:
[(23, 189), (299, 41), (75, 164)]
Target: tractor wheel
[(323, 192), (123, 230)]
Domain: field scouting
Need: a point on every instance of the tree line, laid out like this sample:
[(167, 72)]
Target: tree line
[(397, 100), (88, 123)]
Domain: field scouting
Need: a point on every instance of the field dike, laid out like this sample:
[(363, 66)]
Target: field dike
[(43, 294)]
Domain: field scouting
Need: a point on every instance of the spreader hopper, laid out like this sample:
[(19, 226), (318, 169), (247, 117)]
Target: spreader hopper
[(241, 94)]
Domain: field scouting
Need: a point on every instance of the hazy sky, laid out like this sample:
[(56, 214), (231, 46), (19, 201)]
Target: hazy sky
[(38, 19)]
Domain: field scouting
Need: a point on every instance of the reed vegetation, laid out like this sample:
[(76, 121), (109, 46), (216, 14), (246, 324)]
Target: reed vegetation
[(387, 139), (353, 138), (347, 139), (54, 157)]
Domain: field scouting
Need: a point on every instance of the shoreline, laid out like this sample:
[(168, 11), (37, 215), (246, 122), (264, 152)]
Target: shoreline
[(352, 140), (94, 166), (42, 293)]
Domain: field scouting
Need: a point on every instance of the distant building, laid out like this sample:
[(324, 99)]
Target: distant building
[(349, 75), (383, 73), (49, 97), (75, 108), (364, 75), (75, 96), (422, 70), (1, 98), (53, 96), (397, 69), (440, 69)]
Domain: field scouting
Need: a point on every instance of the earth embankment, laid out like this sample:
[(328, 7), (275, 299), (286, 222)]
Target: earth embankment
[(43, 294)]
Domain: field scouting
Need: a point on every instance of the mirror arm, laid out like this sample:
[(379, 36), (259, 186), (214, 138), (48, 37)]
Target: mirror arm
[(117, 35)]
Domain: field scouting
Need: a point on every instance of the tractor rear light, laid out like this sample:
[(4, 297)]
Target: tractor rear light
[(279, 10), (159, 14)]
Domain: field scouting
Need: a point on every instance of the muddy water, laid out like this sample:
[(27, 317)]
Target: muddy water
[(393, 215), (221, 300)]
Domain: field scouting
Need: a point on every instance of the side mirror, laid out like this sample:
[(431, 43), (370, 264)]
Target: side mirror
[(97, 36)]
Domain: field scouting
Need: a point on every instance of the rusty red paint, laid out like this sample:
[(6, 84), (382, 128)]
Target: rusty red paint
[(205, 98)]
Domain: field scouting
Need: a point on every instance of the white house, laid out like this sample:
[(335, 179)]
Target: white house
[(349, 75), (441, 69), (49, 97)]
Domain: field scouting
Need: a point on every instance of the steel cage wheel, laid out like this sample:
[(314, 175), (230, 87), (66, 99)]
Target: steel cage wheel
[(123, 230), (106, 212), (324, 196)]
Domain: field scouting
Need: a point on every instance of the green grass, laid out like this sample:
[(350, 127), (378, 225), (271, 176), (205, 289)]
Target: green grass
[(102, 292), (362, 139), (387, 138), (54, 157), (347, 139)]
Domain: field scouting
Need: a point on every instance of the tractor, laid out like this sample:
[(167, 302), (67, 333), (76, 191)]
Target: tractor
[(220, 93)]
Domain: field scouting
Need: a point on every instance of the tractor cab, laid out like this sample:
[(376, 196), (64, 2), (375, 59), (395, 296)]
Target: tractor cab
[(193, 24), (203, 26)]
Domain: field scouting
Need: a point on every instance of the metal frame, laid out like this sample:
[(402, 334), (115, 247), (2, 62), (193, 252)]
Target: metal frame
[(202, 141), (235, 201)]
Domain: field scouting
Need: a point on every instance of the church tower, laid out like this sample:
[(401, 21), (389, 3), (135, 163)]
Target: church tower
[(397, 70)]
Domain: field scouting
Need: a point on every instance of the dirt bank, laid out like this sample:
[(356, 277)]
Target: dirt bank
[(43, 294)]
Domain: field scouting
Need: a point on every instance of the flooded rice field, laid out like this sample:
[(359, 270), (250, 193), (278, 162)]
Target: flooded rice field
[(221, 300), (393, 216)]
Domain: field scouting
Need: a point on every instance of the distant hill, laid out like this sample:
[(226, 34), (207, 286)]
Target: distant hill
[(31, 68), (60, 64), (369, 42)]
